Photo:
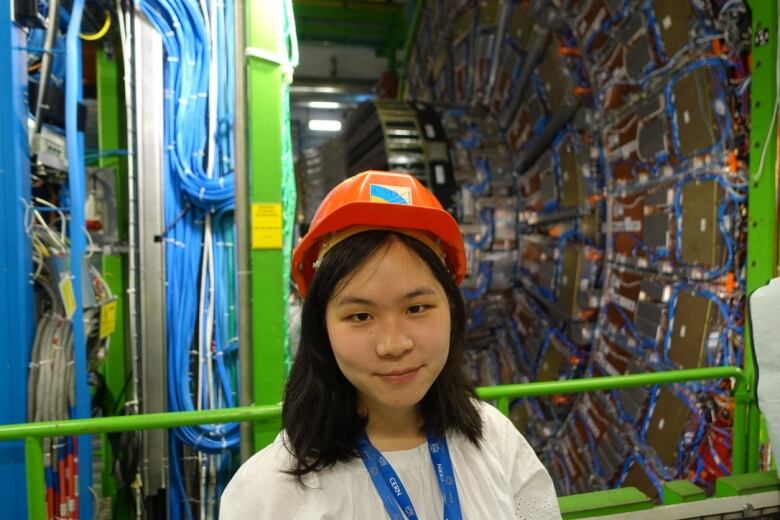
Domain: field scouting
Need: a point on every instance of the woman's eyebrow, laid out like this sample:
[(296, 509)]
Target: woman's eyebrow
[(420, 291), (357, 300), (354, 300)]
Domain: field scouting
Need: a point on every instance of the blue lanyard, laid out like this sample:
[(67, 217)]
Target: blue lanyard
[(391, 490)]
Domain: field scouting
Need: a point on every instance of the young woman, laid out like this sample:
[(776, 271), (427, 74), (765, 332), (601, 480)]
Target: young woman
[(379, 418)]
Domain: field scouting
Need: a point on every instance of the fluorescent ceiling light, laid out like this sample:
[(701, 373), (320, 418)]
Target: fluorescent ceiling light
[(324, 104), (325, 125)]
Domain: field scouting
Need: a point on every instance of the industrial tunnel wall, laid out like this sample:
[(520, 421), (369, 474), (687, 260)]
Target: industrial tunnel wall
[(595, 154)]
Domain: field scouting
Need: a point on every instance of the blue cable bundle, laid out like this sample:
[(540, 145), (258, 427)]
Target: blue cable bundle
[(198, 185)]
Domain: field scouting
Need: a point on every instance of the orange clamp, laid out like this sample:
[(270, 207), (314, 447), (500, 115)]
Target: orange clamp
[(569, 51)]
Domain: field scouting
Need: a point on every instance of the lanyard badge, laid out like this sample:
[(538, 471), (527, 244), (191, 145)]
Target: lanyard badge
[(392, 491)]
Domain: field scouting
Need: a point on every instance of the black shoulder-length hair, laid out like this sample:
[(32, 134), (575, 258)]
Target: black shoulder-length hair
[(319, 411)]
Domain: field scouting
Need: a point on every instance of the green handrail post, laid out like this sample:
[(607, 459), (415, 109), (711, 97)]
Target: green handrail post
[(502, 404), (36, 482), (742, 400), (762, 203)]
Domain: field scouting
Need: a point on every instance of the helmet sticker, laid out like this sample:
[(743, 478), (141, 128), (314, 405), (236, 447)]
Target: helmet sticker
[(391, 194)]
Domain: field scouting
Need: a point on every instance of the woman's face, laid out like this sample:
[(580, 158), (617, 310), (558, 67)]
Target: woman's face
[(389, 326)]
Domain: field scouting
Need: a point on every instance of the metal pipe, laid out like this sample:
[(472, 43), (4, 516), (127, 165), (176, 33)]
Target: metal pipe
[(536, 51), (241, 213), (546, 136), (46, 61), (129, 423), (272, 412), (574, 386), (498, 46), (78, 244)]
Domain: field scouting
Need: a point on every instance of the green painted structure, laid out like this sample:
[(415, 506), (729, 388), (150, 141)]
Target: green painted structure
[(682, 491)]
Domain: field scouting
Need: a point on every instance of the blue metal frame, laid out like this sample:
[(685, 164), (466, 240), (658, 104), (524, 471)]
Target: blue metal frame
[(75, 145), (16, 292)]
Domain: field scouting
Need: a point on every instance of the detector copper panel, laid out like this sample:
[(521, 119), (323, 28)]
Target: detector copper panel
[(580, 333), (531, 344), (519, 415), (551, 364), (632, 400), (649, 318), (655, 230), (657, 197), (547, 275), (626, 31), (637, 478), (488, 13), (653, 290), (521, 27), (614, 6), (572, 190), (463, 26), (652, 138), (548, 188), (590, 226), (638, 58), (571, 269), (701, 239), (556, 84), (674, 19), (689, 334), (650, 107), (608, 453), (694, 97), (667, 425), (524, 120)]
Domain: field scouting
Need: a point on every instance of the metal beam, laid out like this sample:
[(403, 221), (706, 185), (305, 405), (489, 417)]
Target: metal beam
[(762, 205), (110, 120), (369, 35), (264, 84), (365, 24), (149, 107), (16, 291), (346, 11)]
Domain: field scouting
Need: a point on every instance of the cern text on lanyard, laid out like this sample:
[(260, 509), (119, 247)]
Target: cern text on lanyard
[(391, 490)]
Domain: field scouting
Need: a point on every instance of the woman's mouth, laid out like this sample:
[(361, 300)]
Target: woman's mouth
[(398, 377)]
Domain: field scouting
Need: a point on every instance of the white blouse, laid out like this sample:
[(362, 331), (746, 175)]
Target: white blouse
[(502, 479)]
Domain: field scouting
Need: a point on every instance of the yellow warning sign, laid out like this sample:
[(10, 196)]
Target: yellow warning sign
[(67, 295), (107, 319), (266, 226)]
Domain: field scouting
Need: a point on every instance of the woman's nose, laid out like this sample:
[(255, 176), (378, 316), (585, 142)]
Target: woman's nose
[(393, 340)]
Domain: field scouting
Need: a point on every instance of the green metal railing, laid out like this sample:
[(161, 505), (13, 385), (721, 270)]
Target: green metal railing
[(33, 433)]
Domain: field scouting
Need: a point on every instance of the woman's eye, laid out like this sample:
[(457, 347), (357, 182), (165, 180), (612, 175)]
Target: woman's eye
[(360, 317), (417, 309)]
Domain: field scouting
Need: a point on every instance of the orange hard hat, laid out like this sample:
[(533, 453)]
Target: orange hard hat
[(379, 200)]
